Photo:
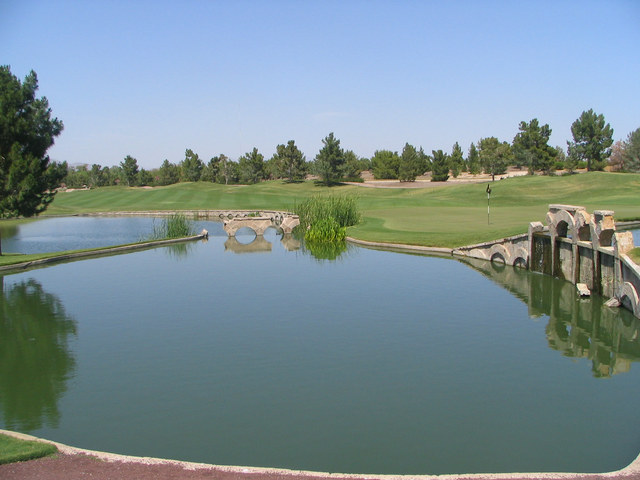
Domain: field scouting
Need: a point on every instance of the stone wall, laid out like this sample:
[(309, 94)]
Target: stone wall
[(576, 246)]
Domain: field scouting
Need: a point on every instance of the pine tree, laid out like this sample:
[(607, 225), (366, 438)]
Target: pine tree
[(531, 148), (191, 167), (290, 162), (591, 139), (473, 160), (251, 166), (385, 164), (456, 160), (409, 164), (130, 170), (329, 160), (631, 152), (440, 166)]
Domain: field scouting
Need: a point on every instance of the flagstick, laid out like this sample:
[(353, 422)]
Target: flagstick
[(488, 204)]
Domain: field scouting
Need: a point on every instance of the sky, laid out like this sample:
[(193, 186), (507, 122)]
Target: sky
[(152, 78)]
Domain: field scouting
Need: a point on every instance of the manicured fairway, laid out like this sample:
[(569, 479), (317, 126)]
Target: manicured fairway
[(451, 215)]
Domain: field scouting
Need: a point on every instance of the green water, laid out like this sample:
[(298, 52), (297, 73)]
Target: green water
[(376, 362)]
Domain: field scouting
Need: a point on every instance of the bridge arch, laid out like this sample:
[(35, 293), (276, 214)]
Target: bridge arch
[(629, 298), (499, 253), (520, 258), (561, 224)]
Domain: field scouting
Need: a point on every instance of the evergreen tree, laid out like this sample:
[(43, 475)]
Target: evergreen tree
[(28, 180), (631, 152), (440, 166), (531, 148), (129, 170), (329, 161), (352, 168), (425, 162), (168, 173), (385, 164), (210, 171), (289, 162), (456, 160), (409, 164), (251, 167), (191, 167), (494, 156), (591, 139), (473, 160), (144, 177)]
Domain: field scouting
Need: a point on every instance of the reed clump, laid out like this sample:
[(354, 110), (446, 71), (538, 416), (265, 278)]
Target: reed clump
[(176, 225), (326, 218)]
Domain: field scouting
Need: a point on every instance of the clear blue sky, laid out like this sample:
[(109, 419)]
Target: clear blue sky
[(152, 78)]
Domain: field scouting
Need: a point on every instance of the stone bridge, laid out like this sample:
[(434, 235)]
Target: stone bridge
[(258, 221), (233, 220), (585, 249)]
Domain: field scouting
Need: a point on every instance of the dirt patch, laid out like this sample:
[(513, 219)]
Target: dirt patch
[(82, 466)]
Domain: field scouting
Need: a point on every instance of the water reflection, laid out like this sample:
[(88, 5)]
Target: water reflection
[(579, 328), (291, 243), (260, 244), (178, 251), (35, 359), (325, 250), (8, 231)]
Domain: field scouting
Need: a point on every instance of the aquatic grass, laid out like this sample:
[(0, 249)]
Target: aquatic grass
[(324, 219), (341, 208), (325, 230), (16, 450), (175, 225)]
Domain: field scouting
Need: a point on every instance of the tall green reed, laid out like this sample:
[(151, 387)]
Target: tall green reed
[(325, 218), (175, 225)]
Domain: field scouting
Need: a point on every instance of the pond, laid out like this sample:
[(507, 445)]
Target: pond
[(259, 354)]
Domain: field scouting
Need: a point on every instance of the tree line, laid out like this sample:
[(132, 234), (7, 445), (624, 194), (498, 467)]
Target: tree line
[(529, 149), (592, 148), (332, 164)]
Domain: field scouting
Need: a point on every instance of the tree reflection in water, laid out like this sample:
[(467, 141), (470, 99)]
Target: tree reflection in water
[(578, 328), (35, 361)]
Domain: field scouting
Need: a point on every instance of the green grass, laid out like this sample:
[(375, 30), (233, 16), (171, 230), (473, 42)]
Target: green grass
[(449, 216), (14, 450), (635, 255)]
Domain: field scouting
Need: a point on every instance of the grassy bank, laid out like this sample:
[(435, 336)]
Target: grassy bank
[(450, 216), (15, 450)]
